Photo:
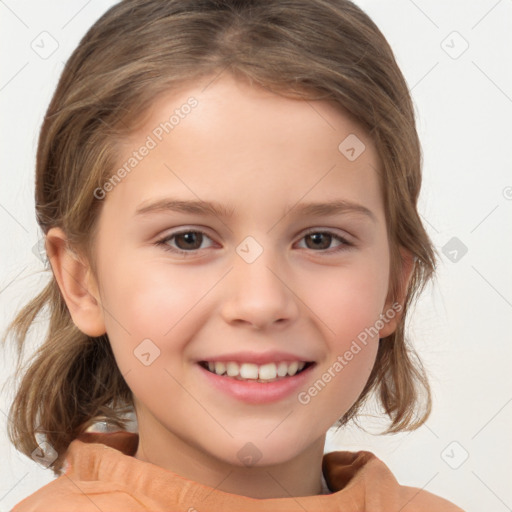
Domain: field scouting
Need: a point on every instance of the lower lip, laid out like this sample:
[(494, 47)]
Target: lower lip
[(257, 392)]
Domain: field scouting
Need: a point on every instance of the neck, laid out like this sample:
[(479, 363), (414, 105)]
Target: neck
[(299, 476)]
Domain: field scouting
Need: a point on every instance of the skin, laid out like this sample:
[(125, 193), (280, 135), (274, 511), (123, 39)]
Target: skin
[(259, 154)]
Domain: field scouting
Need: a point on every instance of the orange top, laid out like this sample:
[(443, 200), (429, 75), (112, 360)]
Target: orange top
[(103, 476)]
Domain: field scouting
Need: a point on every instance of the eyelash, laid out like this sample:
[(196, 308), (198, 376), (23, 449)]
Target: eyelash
[(344, 245)]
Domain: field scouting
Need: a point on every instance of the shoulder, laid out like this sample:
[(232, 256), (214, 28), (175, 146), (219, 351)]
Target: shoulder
[(66, 495), (380, 488), (88, 484), (408, 499), (419, 500)]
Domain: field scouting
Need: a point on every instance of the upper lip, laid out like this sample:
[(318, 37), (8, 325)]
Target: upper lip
[(258, 358)]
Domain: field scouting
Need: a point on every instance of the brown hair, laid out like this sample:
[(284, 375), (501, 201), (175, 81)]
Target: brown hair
[(310, 49)]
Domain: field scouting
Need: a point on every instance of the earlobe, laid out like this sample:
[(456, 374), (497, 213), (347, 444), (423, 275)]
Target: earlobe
[(394, 307), (77, 284)]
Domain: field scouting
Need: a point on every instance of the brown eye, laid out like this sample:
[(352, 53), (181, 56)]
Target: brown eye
[(325, 242), (318, 240), (186, 243), (190, 240)]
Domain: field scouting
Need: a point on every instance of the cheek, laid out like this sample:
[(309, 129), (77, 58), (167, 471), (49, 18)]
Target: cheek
[(150, 300), (348, 299)]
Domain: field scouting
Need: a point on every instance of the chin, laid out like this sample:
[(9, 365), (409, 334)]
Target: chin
[(264, 452)]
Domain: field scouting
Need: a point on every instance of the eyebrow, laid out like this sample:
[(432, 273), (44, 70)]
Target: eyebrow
[(217, 209), (199, 207)]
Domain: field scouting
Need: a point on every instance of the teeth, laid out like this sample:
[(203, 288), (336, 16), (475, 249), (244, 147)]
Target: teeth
[(231, 368), (292, 369), (282, 370), (218, 368), (268, 371), (265, 372), (249, 371)]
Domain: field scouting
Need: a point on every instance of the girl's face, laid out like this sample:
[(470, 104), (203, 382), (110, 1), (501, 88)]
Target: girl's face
[(245, 228)]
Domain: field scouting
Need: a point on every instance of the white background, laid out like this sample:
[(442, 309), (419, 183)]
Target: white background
[(462, 325)]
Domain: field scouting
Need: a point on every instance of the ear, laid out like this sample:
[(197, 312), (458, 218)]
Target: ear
[(395, 304), (76, 282)]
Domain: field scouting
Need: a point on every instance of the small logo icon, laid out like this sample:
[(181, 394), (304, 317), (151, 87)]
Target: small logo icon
[(455, 455), (39, 251), (146, 352), (249, 454), (249, 249), (44, 454), (351, 147), (45, 45), (507, 193), (454, 45), (454, 249)]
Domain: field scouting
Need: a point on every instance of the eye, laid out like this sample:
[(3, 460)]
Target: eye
[(322, 240), (184, 242), (188, 242)]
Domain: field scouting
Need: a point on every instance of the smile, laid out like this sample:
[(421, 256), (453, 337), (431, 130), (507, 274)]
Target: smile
[(269, 372)]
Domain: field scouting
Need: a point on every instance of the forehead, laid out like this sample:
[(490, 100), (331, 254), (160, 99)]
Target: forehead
[(228, 141)]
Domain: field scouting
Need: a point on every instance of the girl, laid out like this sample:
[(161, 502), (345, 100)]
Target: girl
[(228, 194)]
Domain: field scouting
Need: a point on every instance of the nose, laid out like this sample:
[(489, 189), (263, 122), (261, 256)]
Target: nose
[(259, 294)]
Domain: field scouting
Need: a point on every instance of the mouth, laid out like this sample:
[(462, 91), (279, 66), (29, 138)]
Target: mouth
[(250, 372)]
